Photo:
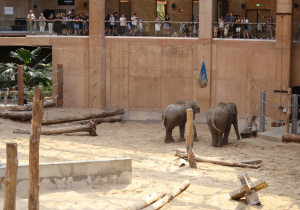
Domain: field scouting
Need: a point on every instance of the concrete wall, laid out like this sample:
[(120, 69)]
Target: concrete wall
[(68, 175)]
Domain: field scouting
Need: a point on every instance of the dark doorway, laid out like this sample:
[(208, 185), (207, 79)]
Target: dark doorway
[(48, 12), (296, 90), (257, 16), (125, 8), (222, 9)]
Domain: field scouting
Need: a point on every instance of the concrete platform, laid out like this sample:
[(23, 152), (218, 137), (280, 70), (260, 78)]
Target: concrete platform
[(67, 175)]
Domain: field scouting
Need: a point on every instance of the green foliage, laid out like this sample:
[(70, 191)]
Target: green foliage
[(39, 75)]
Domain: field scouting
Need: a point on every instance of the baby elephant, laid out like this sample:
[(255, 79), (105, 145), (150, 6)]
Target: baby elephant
[(175, 115), (219, 119)]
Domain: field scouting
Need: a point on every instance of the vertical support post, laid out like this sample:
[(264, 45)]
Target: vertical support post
[(289, 112), (10, 179), (20, 86), (262, 111), (34, 175), (190, 138), (60, 86), (294, 113)]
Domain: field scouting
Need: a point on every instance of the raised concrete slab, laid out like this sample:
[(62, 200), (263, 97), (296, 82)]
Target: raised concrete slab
[(66, 175)]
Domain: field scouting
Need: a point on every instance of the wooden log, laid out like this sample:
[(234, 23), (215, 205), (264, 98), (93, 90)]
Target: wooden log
[(190, 138), (254, 130), (83, 117), (46, 104), (182, 154), (149, 199), (90, 128), (246, 132), (34, 143), (21, 115), (289, 111), (20, 86), (97, 121), (167, 198), (255, 161), (290, 137), (10, 179)]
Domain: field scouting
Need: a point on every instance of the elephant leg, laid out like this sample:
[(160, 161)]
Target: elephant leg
[(181, 131), (168, 137), (220, 139), (214, 135), (226, 134), (195, 133)]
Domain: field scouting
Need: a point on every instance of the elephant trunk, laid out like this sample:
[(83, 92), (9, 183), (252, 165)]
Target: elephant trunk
[(235, 125)]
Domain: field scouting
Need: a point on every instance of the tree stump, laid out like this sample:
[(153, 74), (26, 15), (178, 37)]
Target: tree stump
[(190, 138), (10, 179), (247, 130)]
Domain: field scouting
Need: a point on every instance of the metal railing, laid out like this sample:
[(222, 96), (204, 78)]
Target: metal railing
[(244, 30)]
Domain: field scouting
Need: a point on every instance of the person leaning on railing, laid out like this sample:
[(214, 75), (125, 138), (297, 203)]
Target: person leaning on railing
[(31, 18), (50, 24), (122, 25)]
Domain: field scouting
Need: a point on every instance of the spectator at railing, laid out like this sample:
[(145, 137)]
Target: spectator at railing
[(231, 23), (84, 24), (250, 31), (227, 17), (72, 25), (107, 23), (167, 25), (116, 19), (50, 24), (140, 27), (64, 24), (31, 18), (122, 25), (68, 24), (238, 26), (270, 28), (57, 24), (245, 27), (221, 26), (112, 25), (134, 19), (157, 24), (259, 31), (76, 25), (42, 24)]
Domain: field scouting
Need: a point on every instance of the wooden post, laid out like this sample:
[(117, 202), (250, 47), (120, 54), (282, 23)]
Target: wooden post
[(60, 86), (20, 86), (190, 138), (289, 111), (34, 182), (10, 179)]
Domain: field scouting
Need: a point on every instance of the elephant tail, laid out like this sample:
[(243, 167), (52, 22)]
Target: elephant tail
[(213, 124)]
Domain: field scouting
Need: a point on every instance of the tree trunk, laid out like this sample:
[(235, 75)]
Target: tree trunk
[(20, 86), (97, 121), (167, 198), (146, 201), (290, 137), (21, 115), (10, 179), (28, 107), (60, 86), (34, 176), (190, 138), (90, 127), (83, 117), (289, 111), (182, 154), (254, 130), (246, 132)]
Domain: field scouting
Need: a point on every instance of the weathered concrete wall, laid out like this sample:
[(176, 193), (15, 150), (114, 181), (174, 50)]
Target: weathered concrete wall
[(68, 175)]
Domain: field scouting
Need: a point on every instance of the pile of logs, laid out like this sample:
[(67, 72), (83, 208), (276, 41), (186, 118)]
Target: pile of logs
[(60, 125)]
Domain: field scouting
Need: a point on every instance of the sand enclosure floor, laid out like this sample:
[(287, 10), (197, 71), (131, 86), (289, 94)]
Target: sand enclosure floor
[(155, 168)]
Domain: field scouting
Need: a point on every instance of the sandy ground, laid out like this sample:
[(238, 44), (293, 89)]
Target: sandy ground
[(155, 168)]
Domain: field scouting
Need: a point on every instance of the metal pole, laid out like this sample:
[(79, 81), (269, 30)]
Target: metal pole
[(294, 113), (262, 111)]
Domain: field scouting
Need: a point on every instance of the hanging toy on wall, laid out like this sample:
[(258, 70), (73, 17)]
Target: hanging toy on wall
[(202, 77)]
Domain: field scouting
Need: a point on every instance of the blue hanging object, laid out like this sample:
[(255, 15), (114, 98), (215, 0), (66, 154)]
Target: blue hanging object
[(202, 77)]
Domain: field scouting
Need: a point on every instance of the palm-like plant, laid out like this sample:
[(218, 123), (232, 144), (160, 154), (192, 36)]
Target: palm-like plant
[(40, 75)]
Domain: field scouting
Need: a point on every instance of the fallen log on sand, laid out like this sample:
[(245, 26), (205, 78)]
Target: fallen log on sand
[(83, 117), (182, 154), (290, 137), (167, 198), (21, 115), (90, 128), (112, 119), (149, 199), (28, 107)]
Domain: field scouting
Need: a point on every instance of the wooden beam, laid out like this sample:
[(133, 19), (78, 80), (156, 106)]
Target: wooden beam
[(190, 138), (60, 86)]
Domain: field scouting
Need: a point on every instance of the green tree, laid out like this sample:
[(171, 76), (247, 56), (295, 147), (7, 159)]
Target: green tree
[(37, 75)]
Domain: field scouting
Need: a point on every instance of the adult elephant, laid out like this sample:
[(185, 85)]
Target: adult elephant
[(219, 120), (175, 115)]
